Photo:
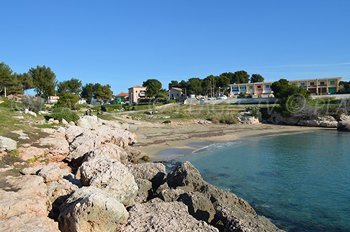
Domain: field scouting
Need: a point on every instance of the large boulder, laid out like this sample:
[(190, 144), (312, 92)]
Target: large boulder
[(163, 216), (29, 223), (147, 171), (89, 140), (91, 209), (52, 172), (109, 150), (23, 195), (344, 126), (89, 122), (112, 176), (7, 144), (222, 209), (29, 153)]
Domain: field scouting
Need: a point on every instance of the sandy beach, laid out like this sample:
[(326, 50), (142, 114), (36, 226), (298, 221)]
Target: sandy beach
[(154, 137)]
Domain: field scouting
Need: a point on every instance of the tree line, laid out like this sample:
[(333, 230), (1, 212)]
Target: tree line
[(213, 85), (43, 80)]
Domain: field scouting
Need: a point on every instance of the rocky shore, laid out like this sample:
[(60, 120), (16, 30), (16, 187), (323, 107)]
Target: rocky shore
[(93, 180)]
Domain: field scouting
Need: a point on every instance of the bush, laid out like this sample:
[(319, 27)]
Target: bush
[(114, 107), (34, 104), (64, 113), (68, 100)]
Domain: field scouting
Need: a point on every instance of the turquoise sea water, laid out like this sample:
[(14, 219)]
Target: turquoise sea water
[(300, 181)]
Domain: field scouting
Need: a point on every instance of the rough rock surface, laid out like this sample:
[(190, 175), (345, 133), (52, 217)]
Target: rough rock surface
[(91, 209), (109, 150), (112, 176), (7, 144), (147, 171), (27, 153), (89, 122), (52, 172), (163, 216), (344, 123), (89, 140), (24, 205), (223, 209)]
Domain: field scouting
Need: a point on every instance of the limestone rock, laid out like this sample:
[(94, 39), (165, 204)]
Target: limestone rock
[(91, 209), (109, 150), (72, 132), (7, 144), (344, 126), (112, 176), (52, 172), (222, 209), (27, 153), (163, 216), (89, 122), (29, 223), (148, 171), (88, 140), (144, 190), (24, 195)]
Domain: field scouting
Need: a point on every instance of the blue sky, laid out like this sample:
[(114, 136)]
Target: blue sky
[(123, 43)]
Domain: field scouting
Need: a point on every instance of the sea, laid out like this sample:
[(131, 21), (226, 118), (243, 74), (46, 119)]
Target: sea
[(300, 181)]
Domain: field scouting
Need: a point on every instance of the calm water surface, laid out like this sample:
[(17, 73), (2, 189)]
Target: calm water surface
[(300, 181)]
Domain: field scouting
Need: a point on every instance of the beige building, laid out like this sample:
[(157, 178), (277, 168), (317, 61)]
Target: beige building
[(136, 92), (320, 86), (175, 93), (317, 86)]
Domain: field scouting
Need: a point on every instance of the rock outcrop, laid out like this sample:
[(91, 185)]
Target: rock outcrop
[(222, 209), (344, 123), (102, 182), (24, 205), (163, 216), (7, 144), (91, 209), (112, 176)]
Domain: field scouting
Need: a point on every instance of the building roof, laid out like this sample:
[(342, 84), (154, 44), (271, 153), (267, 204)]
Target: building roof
[(122, 94), (178, 89), (137, 86)]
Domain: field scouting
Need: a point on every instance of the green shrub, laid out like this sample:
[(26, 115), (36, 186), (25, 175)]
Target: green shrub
[(114, 107), (64, 113), (68, 100)]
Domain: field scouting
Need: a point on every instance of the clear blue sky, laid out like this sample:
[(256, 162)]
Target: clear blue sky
[(123, 43)]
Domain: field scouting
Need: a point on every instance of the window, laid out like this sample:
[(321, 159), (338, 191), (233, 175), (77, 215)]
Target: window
[(312, 83), (332, 82), (322, 83), (258, 86), (251, 87), (243, 88), (302, 84), (267, 86)]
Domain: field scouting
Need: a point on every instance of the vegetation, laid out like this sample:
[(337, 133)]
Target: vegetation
[(68, 100), (153, 87), (60, 113), (344, 87), (70, 86), (256, 78), (215, 85), (34, 104), (98, 91), (44, 81)]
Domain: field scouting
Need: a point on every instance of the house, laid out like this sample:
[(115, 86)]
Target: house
[(52, 99), (255, 90), (121, 98), (175, 93), (136, 93), (319, 86)]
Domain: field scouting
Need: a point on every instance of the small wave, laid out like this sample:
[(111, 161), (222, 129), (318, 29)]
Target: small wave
[(215, 146)]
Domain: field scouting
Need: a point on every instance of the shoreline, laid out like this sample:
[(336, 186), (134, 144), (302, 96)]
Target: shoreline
[(157, 137)]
